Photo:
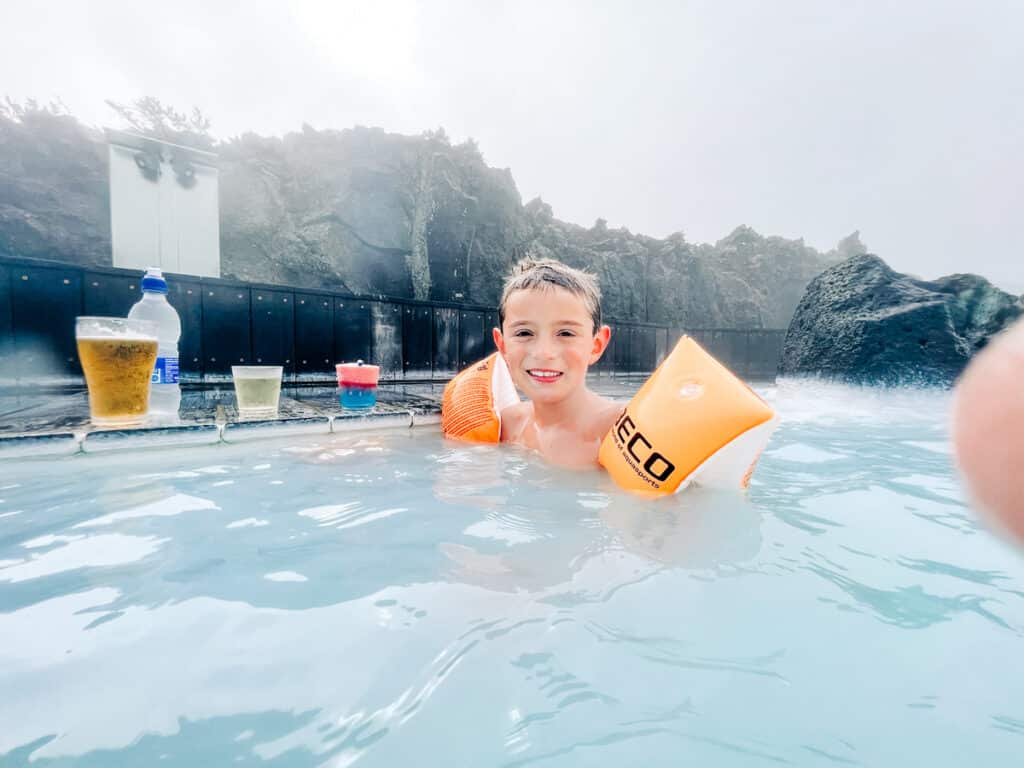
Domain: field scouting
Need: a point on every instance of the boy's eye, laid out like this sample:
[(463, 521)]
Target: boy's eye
[(566, 333), (523, 332)]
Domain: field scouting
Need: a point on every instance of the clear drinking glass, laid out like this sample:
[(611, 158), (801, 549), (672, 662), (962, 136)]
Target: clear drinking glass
[(117, 356), (257, 389)]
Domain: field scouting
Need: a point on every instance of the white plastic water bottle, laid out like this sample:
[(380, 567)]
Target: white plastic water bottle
[(164, 392)]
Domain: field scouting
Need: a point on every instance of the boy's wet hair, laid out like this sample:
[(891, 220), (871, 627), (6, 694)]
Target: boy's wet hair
[(531, 273)]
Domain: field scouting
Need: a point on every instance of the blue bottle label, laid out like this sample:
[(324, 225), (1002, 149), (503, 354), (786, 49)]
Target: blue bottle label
[(165, 371)]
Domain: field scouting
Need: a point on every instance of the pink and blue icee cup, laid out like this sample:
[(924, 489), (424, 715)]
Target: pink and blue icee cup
[(357, 385)]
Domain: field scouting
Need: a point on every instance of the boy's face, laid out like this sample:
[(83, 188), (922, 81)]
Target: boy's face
[(548, 341)]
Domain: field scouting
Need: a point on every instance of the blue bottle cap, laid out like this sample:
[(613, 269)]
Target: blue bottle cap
[(153, 281)]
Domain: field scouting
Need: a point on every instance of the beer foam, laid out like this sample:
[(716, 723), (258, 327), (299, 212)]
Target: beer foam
[(126, 336)]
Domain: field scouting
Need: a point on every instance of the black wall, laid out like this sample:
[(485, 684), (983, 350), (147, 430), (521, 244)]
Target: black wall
[(226, 323)]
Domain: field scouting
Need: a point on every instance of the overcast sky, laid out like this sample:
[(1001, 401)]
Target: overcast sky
[(799, 118)]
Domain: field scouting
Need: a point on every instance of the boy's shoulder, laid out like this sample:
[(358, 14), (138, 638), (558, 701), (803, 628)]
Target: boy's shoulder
[(605, 414), (514, 419)]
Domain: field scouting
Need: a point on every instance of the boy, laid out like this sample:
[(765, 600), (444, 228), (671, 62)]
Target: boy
[(550, 333)]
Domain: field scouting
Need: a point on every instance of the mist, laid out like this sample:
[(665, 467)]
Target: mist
[(804, 119)]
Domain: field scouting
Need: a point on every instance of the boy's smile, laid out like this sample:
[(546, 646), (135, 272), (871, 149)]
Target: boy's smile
[(544, 375), (548, 340)]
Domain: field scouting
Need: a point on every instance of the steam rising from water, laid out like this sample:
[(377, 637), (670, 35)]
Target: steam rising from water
[(358, 599)]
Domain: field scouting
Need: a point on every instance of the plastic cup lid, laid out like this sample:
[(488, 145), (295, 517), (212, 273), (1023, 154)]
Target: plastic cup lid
[(357, 373)]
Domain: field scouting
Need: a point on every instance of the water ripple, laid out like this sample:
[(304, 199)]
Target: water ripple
[(909, 607), (988, 578), (1009, 724), (668, 650)]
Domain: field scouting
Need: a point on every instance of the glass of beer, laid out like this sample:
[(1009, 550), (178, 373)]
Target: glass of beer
[(257, 389), (117, 356)]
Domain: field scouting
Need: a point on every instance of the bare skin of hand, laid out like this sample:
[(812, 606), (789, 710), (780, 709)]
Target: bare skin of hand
[(988, 429)]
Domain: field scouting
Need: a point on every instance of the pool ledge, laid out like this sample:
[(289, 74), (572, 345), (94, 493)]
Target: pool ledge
[(51, 426)]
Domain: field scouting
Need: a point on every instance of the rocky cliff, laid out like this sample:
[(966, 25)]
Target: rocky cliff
[(54, 189), (862, 322), (408, 216)]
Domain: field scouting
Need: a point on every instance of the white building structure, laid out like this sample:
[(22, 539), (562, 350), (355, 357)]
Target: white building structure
[(164, 206)]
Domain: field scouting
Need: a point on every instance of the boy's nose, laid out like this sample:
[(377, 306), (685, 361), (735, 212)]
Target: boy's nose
[(545, 350)]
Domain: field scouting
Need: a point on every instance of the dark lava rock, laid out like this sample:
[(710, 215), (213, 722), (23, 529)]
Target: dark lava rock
[(376, 213), (862, 322), (54, 189)]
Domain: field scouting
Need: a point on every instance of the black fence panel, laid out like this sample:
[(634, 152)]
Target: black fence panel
[(620, 348), (633, 363), (471, 338), (775, 342), (44, 305), (185, 294), (446, 341), (651, 349), (674, 335), (661, 347), (635, 351), (314, 333), (746, 349), (730, 357), (730, 343), (645, 353), (741, 356), (417, 341), (490, 323), (387, 338), (226, 323), (753, 342), (109, 295), (718, 347), (6, 324), (353, 331), (766, 352), (226, 328), (273, 328)]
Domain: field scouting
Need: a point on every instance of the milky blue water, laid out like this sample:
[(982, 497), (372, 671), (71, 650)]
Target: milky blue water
[(391, 599)]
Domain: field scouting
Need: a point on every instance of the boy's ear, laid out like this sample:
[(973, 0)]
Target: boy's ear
[(601, 339), (499, 340)]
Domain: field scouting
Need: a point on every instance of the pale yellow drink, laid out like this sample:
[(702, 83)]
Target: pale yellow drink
[(117, 357), (257, 389)]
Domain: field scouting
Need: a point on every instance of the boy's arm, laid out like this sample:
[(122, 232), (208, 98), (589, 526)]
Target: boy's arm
[(513, 420), (607, 416)]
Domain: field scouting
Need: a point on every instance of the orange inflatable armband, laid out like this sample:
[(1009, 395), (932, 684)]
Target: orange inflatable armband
[(472, 402), (693, 421)]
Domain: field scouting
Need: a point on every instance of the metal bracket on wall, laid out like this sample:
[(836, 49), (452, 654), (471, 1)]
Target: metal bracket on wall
[(148, 161)]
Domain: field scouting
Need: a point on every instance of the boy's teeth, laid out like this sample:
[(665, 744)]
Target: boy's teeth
[(545, 374)]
